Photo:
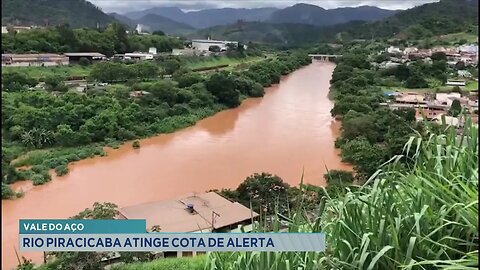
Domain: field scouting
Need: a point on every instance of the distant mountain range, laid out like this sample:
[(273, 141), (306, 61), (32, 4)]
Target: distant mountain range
[(421, 22), (207, 17), (299, 13), (314, 15)]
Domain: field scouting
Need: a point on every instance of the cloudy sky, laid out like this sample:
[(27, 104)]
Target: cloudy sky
[(123, 6)]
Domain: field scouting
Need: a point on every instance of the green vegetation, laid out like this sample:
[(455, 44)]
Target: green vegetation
[(61, 170), (459, 38), (423, 216), (43, 72), (471, 85), (108, 41), (195, 63), (185, 263), (429, 20), (77, 13)]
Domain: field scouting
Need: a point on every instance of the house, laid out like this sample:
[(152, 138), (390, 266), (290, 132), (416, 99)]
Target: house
[(411, 99), (205, 44), (468, 48), (410, 50), (4, 30), (388, 64), (205, 212), (26, 60), (464, 73), (91, 56), (152, 50), (447, 98), (135, 94), (138, 56), (455, 83), (394, 50)]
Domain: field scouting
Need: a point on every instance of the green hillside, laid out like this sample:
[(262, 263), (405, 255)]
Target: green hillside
[(77, 13), (286, 34), (444, 17)]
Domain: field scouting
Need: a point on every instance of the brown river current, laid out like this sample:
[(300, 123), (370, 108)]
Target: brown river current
[(288, 131)]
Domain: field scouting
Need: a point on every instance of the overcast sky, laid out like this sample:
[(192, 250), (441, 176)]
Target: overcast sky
[(122, 6)]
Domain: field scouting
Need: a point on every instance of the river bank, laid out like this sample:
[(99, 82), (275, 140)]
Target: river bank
[(287, 131)]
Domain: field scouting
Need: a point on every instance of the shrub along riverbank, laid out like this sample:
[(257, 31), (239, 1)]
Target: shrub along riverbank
[(70, 126)]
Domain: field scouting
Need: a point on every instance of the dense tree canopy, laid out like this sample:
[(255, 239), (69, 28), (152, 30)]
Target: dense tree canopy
[(113, 39)]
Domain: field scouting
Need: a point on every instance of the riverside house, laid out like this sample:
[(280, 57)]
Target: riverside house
[(206, 212)]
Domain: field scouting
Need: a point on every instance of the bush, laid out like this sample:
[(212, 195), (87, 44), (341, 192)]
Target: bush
[(7, 192), (39, 168), (38, 179), (61, 170), (136, 144), (55, 162), (339, 177)]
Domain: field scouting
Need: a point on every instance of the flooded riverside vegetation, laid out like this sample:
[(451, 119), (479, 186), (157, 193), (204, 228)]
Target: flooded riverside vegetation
[(262, 134)]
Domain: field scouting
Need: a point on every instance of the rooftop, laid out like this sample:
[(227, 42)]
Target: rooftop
[(174, 215), (92, 54)]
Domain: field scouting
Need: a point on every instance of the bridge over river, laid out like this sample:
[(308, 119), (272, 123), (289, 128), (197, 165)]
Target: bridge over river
[(324, 57)]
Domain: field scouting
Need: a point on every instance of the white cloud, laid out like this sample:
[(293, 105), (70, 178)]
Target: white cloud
[(123, 6)]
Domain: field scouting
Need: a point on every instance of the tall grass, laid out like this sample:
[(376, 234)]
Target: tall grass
[(422, 217)]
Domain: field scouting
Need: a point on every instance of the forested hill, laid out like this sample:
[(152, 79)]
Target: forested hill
[(275, 33), (444, 17), (77, 13)]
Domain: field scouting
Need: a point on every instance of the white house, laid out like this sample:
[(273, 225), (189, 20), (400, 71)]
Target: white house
[(394, 50), (464, 73), (468, 48), (205, 44), (138, 56), (410, 50), (152, 50), (455, 83)]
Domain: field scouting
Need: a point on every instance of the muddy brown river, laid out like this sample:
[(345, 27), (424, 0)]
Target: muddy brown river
[(288, 131)]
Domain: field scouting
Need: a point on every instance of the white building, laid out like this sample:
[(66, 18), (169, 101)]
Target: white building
[(455, 83), (4, 30), (142, 29), (205, 44), (410, 50), (464, 73), (468, 48), (394, 50), (138, 56), (152, 50)]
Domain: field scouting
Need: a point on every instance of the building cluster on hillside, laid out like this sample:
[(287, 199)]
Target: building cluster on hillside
[(17, 28), (197, 48), (434, 106), (468, 54)]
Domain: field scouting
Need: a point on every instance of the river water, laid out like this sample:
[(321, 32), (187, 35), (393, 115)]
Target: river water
[(288, 131)]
